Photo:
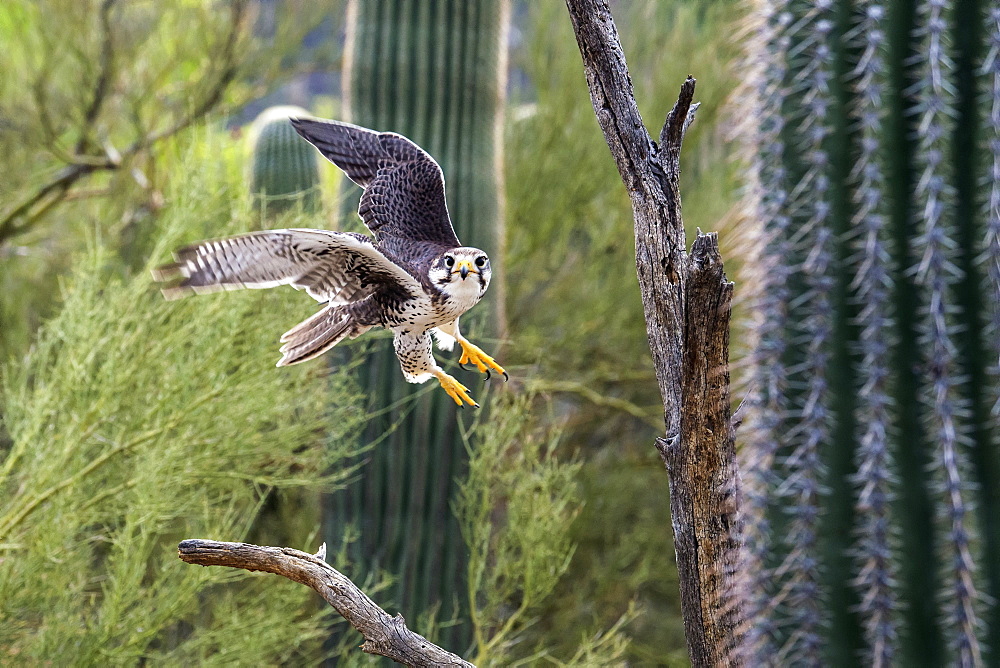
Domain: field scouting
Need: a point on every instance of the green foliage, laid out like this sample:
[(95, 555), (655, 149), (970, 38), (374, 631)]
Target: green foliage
[(872, 461), (516, 508), (134, 423), (284, 169)]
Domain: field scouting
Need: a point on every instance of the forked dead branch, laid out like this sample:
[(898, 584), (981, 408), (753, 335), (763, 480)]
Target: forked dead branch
[(687, 303)]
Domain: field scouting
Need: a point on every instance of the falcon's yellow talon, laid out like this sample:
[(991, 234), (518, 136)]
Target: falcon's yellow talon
[(456, 390), (472, 354)]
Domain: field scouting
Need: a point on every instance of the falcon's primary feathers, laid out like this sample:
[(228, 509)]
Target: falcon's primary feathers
[(414, 278)]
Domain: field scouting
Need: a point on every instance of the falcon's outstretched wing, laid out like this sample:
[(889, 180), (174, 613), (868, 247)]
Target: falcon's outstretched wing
[(332, 267), (404, 187)]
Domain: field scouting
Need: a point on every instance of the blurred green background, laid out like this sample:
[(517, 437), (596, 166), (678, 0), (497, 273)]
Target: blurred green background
[(130, 423)]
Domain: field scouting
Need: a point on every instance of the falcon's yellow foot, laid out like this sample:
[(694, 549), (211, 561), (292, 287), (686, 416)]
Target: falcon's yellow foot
[(473, 354), (455, 390)]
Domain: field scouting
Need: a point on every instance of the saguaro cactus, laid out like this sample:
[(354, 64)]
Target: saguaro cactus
[(871, 461), (433, 72), (284, 171)]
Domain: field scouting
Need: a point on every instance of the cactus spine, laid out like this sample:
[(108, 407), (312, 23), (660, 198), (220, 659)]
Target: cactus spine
[(284, 171), (872, 459), (431, 71)]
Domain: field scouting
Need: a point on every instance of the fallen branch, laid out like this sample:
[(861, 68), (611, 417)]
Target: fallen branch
[(687, 303), (384, 634)]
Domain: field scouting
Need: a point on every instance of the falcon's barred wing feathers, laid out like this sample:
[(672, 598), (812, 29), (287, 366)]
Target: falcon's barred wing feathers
[(334, 267), (404, 188)]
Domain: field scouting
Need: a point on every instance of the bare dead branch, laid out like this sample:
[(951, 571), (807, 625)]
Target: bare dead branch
[(687, 304), (678, 120), (384, 634)]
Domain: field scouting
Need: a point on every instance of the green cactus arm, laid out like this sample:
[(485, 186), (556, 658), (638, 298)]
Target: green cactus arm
[(284, 172), (938, 274)]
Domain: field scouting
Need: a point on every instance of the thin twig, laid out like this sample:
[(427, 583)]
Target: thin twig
[(740, 414), (649, 416)]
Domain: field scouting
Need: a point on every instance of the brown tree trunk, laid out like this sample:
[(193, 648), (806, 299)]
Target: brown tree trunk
[(687, 303)]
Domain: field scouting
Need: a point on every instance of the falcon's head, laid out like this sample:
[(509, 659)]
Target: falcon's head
[(462, 273)]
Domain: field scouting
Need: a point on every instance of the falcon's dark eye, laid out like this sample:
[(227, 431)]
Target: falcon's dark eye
[(481, 261), (449, 262)]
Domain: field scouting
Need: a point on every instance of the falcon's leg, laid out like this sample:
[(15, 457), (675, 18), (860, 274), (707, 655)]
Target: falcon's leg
[(471, 353), (417, 361)]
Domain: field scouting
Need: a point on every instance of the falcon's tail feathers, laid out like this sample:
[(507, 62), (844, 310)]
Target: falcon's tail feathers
[(320, 332)]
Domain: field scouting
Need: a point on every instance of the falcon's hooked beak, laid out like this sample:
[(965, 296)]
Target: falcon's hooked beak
[(464, 267)]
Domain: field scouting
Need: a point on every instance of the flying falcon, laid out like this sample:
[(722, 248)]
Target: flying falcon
[(413, 278)]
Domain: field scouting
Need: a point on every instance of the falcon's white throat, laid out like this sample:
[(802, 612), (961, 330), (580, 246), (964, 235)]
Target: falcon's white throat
[(465, 292)]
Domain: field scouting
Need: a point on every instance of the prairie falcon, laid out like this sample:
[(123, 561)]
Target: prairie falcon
[(413, 278)]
